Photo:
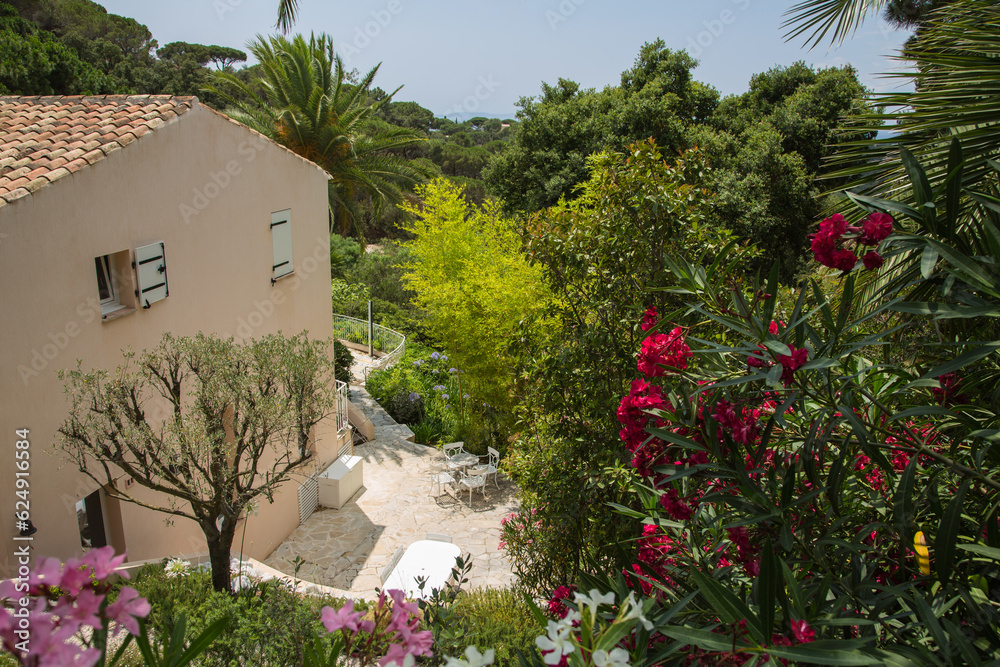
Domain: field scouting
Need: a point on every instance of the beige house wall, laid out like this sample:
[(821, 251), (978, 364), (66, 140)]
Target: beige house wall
[(206, 188)]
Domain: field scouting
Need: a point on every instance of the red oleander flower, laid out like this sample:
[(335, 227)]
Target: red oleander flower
[(843, 260), (875, 229), (663, 350), (649, 318), (557, 606), (791, 363), (803, 632), (947, 394), (677, 508), (872, 260), (642, 396)]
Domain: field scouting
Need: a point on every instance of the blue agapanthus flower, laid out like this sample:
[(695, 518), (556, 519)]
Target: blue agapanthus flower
[(444, 358), (435, 356), (452, 370), (414, 396), (444, 396)]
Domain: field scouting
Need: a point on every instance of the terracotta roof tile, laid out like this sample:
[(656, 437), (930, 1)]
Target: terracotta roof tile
[(46, 138)]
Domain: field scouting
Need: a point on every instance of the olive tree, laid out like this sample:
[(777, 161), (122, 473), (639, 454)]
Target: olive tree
[(212, 424)]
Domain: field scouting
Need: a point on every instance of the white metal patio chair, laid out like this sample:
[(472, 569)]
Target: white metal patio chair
[(453, 449), (441, 476), (473, 481), (490, 468)]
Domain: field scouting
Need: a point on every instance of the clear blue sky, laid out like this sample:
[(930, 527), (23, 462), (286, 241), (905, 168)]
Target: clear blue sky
[(483, 56)]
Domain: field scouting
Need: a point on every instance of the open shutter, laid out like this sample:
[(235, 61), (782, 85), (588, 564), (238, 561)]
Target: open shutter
[(151, 273), (281, 240)]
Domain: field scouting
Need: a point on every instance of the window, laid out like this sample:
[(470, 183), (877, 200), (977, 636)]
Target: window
[(281, 241), (107, 284)]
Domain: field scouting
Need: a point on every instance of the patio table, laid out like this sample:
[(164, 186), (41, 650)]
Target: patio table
[(463, 461), (424, 558)]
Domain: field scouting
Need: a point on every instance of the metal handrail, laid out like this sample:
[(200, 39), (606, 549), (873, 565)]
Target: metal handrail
[(353, 330), (343, 421)]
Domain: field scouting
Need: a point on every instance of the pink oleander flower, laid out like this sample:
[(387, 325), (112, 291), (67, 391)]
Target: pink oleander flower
[(875, 229), (66, 605), (102, 561), (343, 619), (407, 639), (663, 350), (128, 608), (803, 632), (83, 610), (872, 260)]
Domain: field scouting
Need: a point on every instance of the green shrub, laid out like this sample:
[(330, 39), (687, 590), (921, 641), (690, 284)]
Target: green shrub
[(382, 271), (269, 624), (346, 295), (498, 619), (342, 359), (406, 407), (344, 254)]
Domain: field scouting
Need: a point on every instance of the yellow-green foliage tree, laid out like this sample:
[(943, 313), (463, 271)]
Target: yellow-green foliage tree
[(469, 274)]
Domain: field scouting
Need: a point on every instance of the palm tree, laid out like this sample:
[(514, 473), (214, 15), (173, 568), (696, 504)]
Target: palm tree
[(303, 100)]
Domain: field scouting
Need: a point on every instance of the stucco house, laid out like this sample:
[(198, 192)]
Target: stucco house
[(122, 217)]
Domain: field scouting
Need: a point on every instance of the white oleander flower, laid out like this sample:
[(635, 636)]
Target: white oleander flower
[(571, 619), (617, 658), (595, 599), (556, 643), (473, 658), (635, 612)]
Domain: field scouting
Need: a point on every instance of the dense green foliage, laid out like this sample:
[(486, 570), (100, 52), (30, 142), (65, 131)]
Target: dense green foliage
[(657, 98), (766, 147), (603, 258), (268, 623), (65, 47), (35, 62), (378, 275), (429, 392), (497, 619)]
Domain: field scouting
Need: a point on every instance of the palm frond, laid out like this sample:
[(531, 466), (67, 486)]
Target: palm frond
[(819, 17), (287, 9)]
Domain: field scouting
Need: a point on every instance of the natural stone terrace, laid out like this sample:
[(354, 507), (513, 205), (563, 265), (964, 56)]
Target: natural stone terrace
[(346, 549)]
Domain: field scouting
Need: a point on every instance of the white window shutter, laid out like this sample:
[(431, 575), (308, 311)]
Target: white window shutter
[(281, 240), (151, 273)]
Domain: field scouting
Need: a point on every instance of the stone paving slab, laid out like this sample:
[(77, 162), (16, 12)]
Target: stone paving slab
[(346, 549)]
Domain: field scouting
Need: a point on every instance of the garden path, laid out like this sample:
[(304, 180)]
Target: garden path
[(346, 549)]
